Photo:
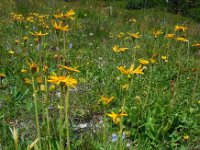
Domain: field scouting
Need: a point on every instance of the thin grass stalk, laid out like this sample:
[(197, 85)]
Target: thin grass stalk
[(60, 119), (67, 116), (36, 110), (47, 111), (121, 126)]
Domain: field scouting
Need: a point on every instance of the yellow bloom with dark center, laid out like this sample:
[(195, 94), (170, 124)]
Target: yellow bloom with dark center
[(63, 80), (135, 35), (69, 68), (157, 33), (180, 28), (170, 36), (105, 100), (181, 39), (143, 61), (33, 67), (138, 70), (116, 118), (2, 75), (25, 38), (59, 26), (118, 49), (196, 45), (38, 34), (164, 58), (70, 14), (17, 42)]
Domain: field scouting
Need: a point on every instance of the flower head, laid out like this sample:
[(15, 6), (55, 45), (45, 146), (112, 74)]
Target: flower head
[(106, 100), (157, 33), (135, 35), (117, 49), (138, 70), (196, 45), (38, 34), (69, 68), (170, 36), (59, 26), (180, 28), (70, 14), (116, 117), (164, 58), (2, 75), (181, 39), (143, 61)]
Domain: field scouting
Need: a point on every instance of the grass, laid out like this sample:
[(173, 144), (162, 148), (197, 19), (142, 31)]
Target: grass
[(162, 101)]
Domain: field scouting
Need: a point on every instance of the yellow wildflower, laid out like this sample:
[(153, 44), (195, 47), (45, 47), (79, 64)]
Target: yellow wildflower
[(125, 87), (157, 33), (170, 36), (164, 58), (120, 35), (39, 80), (25, 38), (135, 35), (23, 71), (38, 34), (117, 49), (143, 61), (70, 14), (180, 28), (69, 68), (132, 20), (116, 117), (17, 42), (59, 26), (27, 80), (138, 70), (63, 80), (181, 39), (2, 75), (11, 52), (33, 67), (186, 137), (58, 15), (152, 60), (106, 100), (196, 45)]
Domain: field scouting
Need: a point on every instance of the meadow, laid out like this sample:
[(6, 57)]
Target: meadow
[(92, 75)]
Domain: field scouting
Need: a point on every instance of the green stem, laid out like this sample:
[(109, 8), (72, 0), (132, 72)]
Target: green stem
[(121, 126), (60, 120), (67, 116), (36, 110)]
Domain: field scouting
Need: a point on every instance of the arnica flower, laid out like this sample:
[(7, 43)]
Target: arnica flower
[(164, 58), (2, 75), (181, 39), (58, 15), (39, 80), (143, 61), (117, 49), (125, 87), (38, 34), (63, 80), (23, 71), (69, 68), (157, 33), (120, 35), (33, 67), (152, 60), (116, 117), (170, 36), (59, 26), (70, 14), (196, 45), (105, 100), (138, 70), (17, 42), (180, 28), (132, 20), (134, 35), (27, 80), (45, 68), (11, 52), (186, 137), (25, 38)]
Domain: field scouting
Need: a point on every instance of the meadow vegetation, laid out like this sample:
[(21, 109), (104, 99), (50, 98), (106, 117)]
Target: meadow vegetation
[(93, 75)]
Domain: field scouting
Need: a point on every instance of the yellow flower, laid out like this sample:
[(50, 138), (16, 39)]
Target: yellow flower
[(157, 33), (164, 58), (186, 137), (132, 20), (117, 49), (138, 70), (39, 80), (59, 26), (58, 15), (198, 102), (17, 42), (143, 61), (33, 67), (23, 71), (63, 80), (25, 38), (2, 75), (152, 60), (105, 100), (69, 68), (135, 35), (170, 36), (116, 117), (27, 80), (120, 35), (181, 39), (196, 45), (11, 52), (38, 34), (70, 14), (180, 28), (125, 87)]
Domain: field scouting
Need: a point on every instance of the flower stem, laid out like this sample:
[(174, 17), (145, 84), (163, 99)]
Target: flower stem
[(67, 116)]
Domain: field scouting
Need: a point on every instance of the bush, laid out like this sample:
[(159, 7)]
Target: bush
[(194, 14)]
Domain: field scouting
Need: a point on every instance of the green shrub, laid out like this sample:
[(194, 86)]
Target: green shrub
[(194, 14), (138, 4)]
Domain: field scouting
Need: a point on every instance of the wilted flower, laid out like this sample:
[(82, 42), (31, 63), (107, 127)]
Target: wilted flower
[(106, 100), (116, 117)]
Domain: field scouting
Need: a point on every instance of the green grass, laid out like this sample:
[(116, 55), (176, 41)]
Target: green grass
[(162, 104)]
